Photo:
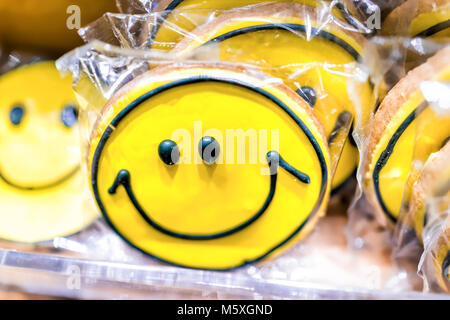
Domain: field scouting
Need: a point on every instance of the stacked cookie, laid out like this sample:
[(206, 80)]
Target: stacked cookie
[(407, 153)]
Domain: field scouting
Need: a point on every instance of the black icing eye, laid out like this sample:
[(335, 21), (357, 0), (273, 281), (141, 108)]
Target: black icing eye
[(308, 94), (169, 152), (16, 114), (209, 149), (69, 116)]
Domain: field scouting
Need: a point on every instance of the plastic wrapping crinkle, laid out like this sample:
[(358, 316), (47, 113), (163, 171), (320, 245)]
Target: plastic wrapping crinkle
[(423, 228), (409, 127), (216, 144), (435, 260), (136, 6), (411, 33)]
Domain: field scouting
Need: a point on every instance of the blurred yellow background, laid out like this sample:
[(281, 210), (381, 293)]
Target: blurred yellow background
[(41, 25)]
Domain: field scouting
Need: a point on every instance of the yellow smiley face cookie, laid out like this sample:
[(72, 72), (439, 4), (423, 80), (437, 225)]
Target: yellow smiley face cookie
[(41, 190), (439, 257), (321, 69), (209, 167), (404, 120), (180, 17)]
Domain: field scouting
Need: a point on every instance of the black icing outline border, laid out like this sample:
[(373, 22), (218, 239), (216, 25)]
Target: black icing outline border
[(289, 27), (175, 3), (385, 155), (434, 29), (134, 104)]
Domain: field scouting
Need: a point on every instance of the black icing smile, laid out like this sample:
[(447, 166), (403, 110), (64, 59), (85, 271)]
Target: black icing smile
[(49, 185), (274, 161), (386, 154)]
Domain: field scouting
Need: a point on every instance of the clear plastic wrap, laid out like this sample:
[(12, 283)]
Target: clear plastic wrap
[(399, 139), (136, 6), (423, 228), (374, 11), (435, 259)]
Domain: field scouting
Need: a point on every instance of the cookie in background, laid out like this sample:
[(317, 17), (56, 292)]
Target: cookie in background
[(41, 186), (321, 62), (429, 210), (404, 119)]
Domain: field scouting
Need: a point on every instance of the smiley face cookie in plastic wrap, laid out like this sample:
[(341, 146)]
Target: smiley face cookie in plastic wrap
[(320, 61), (429, 209), (209, 167), (41, 190), (405, 120), (180, 17)]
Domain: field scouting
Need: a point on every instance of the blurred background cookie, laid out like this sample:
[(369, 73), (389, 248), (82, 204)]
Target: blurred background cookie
[(42, 189), (405, 128)]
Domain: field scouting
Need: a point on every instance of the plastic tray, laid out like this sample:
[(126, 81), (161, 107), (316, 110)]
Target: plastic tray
[(65, 274)]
